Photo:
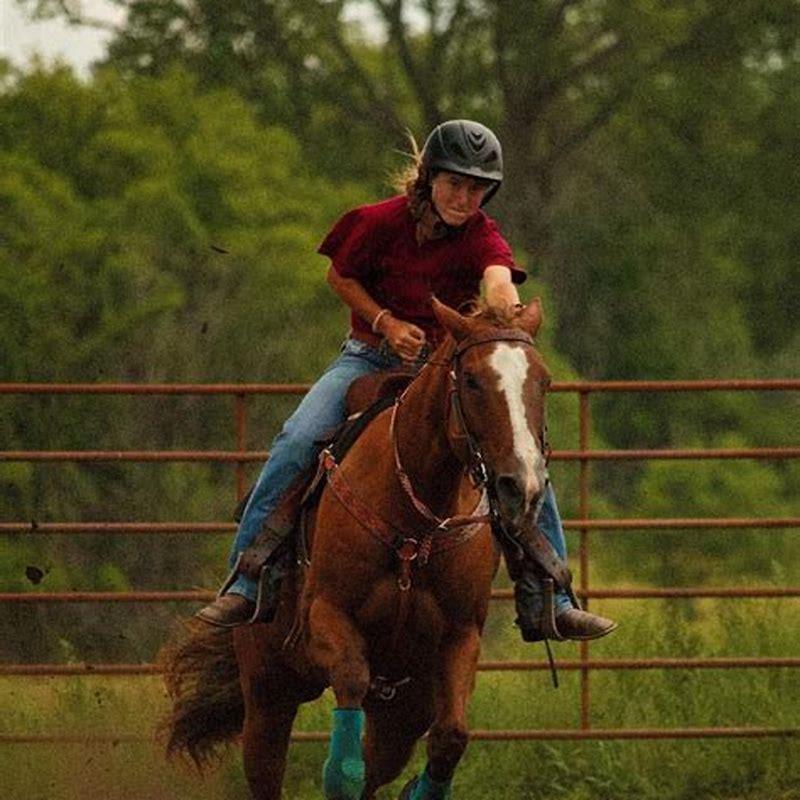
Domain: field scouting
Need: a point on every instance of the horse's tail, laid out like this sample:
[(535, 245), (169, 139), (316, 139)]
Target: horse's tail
[(202, 679)]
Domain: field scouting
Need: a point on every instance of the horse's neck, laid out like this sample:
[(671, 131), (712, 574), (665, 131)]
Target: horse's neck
[(421, 435)]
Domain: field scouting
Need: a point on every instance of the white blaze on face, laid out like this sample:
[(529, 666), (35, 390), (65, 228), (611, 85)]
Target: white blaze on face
[(511, 367)]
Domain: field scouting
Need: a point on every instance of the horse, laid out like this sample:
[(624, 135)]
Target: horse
[(390, 607)]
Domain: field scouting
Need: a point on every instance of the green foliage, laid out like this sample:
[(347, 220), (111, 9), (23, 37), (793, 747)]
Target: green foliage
[(151, 231), (710, 490)]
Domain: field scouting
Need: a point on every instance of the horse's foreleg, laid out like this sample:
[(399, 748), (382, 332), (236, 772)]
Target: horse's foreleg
[(448, 738), (392, 731), (337, 646)]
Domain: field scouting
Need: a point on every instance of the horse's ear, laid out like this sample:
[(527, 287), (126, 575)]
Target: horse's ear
[(530, 318), (458, 326)]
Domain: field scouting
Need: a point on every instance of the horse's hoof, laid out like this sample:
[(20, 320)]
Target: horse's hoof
[(426, 791)]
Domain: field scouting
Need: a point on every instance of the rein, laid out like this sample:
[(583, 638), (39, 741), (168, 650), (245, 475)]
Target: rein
[(405, 481)]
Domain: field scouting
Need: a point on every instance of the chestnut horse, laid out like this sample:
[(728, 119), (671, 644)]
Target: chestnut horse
[(390, 610)]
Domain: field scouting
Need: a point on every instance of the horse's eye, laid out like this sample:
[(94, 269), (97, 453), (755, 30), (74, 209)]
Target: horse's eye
[(471, 381)]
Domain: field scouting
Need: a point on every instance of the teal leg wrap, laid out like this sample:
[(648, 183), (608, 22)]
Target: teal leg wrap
[(343, 773), (426, 788)]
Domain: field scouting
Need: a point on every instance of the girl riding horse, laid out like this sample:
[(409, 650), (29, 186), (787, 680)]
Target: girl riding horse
[(390, 608), (387, 259)]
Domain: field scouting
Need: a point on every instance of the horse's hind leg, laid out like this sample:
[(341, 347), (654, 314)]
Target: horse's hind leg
[(265, 741), (392, 731), (272, 694)]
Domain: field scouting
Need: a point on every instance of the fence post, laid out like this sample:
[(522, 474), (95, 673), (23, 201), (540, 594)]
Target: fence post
[(240, 414), (583, 480)]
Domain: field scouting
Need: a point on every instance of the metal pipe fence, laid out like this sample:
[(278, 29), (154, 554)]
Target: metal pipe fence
[(584, 456)]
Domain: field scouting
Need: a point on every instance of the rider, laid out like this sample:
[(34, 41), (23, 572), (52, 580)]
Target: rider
[(386, 260)]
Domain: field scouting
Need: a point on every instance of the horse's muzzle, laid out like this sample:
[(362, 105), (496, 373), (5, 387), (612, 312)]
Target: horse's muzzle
[(514, 499)]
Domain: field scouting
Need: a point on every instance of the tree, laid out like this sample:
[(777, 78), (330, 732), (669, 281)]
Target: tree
[(144, 238), (550, 74)]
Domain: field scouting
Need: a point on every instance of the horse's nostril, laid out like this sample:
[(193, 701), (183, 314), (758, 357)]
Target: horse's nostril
[(509, 492)]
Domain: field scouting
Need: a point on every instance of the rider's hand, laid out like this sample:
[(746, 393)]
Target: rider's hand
[(404, 338)]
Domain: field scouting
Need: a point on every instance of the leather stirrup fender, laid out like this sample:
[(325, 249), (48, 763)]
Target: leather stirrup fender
[(254, 559), (264, 610)]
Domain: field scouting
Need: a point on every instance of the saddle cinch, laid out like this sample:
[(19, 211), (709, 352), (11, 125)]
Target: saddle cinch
[(367, 397)]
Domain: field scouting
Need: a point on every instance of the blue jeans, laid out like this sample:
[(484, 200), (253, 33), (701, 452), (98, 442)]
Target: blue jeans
[(294, 449), (529, 585)]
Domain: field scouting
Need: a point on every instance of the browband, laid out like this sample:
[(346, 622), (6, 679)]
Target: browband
[(493, 335)]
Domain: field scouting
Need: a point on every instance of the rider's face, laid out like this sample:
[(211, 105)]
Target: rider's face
[(457, 197)]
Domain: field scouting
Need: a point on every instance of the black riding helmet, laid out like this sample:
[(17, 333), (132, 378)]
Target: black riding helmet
[(465, 147)]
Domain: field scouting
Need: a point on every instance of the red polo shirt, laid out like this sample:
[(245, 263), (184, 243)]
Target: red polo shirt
[(376, 244)]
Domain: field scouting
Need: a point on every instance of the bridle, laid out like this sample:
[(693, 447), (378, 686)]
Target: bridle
[(474, 464)]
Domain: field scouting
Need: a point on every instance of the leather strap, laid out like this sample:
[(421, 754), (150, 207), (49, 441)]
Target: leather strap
[(253, 560), (276, 528), (537, 546), (492, 335), (409, 547)]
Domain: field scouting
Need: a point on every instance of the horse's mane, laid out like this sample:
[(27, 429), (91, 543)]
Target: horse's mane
[(493, 316), (506, 316)]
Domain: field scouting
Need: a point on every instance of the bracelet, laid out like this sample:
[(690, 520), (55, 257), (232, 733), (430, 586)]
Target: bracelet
[(378, 318)]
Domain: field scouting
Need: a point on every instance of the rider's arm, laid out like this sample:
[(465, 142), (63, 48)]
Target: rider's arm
[(403, 337), (354, 295), (498, 288)]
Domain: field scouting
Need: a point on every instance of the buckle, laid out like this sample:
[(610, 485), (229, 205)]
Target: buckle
[(327, 459), (408, 550), (385, 689), (478, 474)]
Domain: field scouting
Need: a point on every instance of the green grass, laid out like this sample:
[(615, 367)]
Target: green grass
[(646, 770)]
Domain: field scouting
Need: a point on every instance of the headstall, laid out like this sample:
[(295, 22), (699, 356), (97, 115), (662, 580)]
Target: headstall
[(440, 532), (476, 465)]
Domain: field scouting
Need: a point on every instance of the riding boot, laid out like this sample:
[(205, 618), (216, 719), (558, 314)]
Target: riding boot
[(266, 563), (536, 558), (540, 616)]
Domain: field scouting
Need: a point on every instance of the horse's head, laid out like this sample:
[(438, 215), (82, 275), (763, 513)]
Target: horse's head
[(499, 383)]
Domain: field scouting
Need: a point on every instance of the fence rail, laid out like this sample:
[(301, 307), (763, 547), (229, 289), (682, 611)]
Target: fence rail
[(553, 734), (584, 455)]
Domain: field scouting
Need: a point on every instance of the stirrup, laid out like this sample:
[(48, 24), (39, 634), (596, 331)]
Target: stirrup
[(545, 626), (547, 621), (264, 611)]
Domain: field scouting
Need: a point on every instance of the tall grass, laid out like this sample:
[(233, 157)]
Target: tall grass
[(609, 770)]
